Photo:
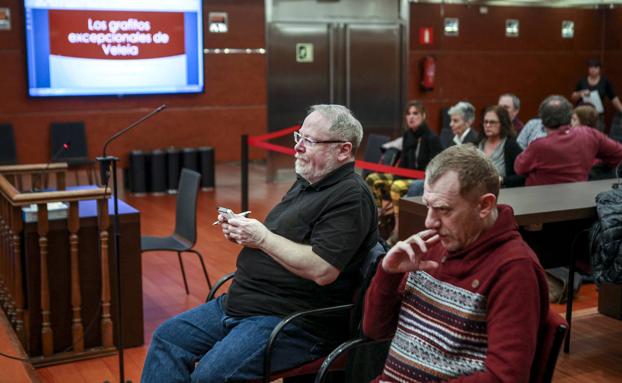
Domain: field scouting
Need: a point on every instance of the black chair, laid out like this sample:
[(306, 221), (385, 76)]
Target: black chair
[(8, 154), (549, 345), (373, 150), (68, 144), (367, 271), (184, 236), (447, 135), (542, 369)]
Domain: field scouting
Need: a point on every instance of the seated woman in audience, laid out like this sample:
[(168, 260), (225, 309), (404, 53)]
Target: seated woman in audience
[(419, 146), (499, 145), (585, 115), (462, 116)]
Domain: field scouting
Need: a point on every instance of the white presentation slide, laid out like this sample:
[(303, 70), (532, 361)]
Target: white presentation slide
[(72, 72)]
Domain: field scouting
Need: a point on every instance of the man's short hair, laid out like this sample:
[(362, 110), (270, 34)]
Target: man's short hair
[(555, 111), (514, 98), (476, 173), (466, 109), (342, 123)]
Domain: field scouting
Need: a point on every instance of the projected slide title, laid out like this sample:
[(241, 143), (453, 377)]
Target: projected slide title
[(122, 38), (116, 34)]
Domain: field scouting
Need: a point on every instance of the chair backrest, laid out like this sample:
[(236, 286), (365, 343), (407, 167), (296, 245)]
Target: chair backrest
[(447, 135), (549, 345), (186, 205), (367, 271), (68, 132), (8, 154), (373, 151)]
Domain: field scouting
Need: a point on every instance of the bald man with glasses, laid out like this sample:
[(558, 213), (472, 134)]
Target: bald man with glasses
[(304, 256)]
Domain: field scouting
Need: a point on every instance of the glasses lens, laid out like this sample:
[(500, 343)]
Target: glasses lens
[(296, 137)]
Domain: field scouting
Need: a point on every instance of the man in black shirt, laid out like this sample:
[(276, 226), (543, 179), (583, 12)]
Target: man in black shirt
[(304, 256)]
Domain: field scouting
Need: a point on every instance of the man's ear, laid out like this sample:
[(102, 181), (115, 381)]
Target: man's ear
[(345, 151), (487, 203)]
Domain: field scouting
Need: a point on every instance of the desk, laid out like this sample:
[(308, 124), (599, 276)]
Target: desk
[(90, 274), (532, 205)]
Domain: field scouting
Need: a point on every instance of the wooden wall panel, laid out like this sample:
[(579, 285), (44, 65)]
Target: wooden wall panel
[(612, 63), (481, 63), (234, 101), (478, 65)]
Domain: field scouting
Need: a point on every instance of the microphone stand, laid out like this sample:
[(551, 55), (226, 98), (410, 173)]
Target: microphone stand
[(106, 163), (43, 181)]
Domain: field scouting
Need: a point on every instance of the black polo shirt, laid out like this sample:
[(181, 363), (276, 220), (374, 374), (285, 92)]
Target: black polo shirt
[(338, 218)]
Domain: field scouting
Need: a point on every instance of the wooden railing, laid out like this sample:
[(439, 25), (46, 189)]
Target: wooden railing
[(12, 258)]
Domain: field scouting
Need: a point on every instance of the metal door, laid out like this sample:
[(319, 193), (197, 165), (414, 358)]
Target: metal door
[(293, 86), (373, 76)]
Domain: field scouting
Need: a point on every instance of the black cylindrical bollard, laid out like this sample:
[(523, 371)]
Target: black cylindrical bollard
[(189, 159), (138, 172), (244, 172), (173, 165), (206, 162), (158, 171)]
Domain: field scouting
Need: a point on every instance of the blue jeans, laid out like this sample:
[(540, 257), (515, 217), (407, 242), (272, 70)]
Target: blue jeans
[(206, 345)]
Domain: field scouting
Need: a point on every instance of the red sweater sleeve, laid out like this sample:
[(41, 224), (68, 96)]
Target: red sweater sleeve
[(609, 151), (525, 161), (382, 304), (514, 315)]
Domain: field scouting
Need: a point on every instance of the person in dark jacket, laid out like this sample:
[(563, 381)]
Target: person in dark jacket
[(498, 143), (419, 145)]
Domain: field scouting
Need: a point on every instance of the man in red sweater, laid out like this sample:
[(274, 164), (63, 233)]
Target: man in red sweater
[(466, 299), (567, 153)]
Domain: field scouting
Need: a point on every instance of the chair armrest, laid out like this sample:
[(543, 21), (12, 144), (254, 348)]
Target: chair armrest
[(218, 285), (336, 353), (284, 322)]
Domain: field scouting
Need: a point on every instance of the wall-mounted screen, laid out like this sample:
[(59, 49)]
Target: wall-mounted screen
[(114, 47)]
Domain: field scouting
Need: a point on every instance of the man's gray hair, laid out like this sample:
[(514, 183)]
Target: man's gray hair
[(343, 124), (555, 111), (514, 98), (476, 173), (465, 109)]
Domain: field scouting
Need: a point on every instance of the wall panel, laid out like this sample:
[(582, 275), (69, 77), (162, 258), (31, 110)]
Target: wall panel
[(234, 101), (482, 63)]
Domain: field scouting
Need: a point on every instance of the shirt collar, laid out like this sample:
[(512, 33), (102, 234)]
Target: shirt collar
[(459, 140)]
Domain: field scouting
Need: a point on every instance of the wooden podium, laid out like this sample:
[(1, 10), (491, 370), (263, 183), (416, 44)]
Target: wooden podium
[(57, 267)]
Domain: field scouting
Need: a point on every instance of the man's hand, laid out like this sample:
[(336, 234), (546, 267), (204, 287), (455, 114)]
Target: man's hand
[(245, 231), (405, 256)]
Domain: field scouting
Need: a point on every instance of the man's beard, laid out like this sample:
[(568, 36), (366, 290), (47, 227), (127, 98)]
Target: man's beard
[(312, 175)]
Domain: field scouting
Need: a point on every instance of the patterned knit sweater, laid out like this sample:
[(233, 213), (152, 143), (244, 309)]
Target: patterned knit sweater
[(476, 318)]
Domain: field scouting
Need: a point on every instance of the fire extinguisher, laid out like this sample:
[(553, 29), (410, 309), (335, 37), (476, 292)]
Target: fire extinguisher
[(428, 72)]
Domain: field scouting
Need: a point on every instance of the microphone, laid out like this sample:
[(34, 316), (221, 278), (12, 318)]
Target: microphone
[(64, 147), (104, 171), (132, 125)]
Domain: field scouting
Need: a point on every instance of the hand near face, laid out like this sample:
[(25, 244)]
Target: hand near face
[(245, 231), (405, 256)]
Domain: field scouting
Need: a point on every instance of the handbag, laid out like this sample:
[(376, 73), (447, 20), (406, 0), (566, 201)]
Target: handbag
[(557, 279)]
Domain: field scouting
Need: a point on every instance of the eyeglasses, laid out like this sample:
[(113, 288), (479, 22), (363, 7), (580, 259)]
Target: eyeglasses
[(491, 122), (310, 141)]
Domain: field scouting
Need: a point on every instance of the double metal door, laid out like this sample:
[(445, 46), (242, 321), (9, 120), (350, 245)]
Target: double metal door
[(358, 65)]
